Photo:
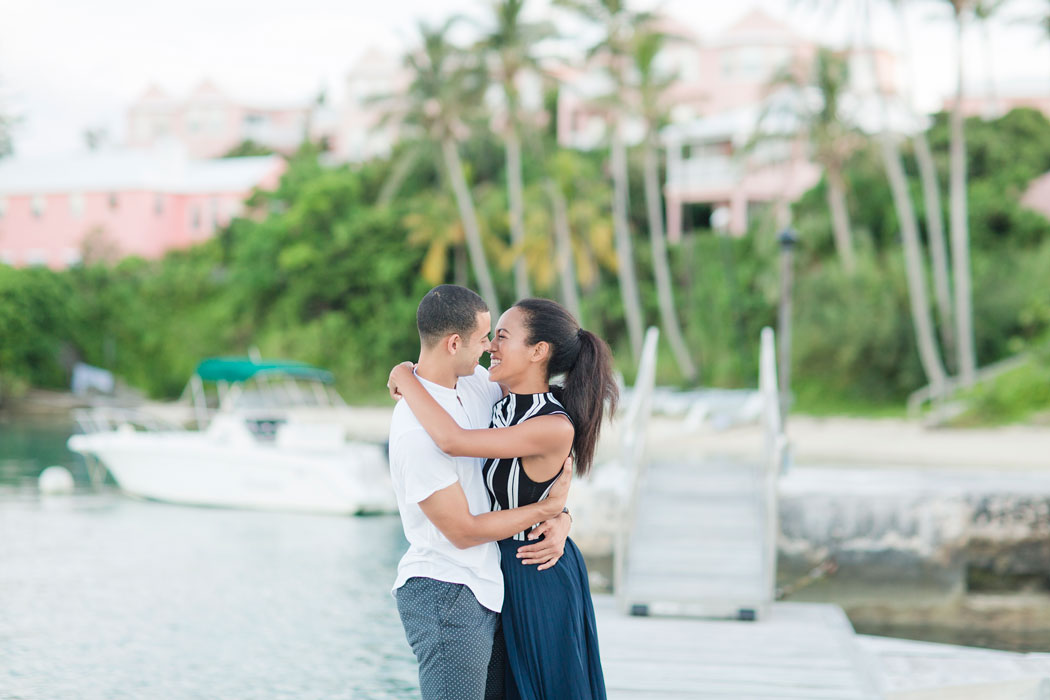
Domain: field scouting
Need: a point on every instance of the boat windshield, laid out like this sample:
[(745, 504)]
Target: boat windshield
[(265, 391)]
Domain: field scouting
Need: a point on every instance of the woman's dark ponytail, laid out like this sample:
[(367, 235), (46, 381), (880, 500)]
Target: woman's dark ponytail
[(585, 361)]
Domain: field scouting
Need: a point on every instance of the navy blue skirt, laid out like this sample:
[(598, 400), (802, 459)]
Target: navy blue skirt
[(548, 625)]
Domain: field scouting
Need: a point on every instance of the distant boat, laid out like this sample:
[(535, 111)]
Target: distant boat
[(271, 435)]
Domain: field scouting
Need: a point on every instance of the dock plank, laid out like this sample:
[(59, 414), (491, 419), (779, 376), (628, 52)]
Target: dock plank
[(797, 651)]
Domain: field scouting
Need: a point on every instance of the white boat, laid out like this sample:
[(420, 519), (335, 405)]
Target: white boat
[(270, 435)]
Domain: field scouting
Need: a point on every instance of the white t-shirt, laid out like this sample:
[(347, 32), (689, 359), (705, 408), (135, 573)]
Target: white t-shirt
[(418, 469)]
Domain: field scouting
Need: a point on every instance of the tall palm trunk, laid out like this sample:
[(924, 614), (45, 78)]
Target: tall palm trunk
[(471, 230), (931, 194), (991, 109), (836, 193), (563, 250), (925, 337), (942, 286), (515, 194), (632, 306), (929, 354), (661, 268), (959, 228), (397, 177)]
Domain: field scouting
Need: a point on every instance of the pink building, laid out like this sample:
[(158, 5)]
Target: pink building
[(358, 133), (127, 202), (982, 105), (722, 90), (208, 123)]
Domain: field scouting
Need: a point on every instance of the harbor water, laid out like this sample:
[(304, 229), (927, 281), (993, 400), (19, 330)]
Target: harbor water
[(106, 597)]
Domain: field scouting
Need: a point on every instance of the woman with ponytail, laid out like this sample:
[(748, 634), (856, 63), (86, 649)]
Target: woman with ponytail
[(548, 617)]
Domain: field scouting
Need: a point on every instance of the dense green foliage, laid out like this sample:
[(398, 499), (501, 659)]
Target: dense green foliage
[(320, 273)]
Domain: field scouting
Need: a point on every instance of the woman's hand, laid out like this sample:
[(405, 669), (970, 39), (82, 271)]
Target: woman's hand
[(392, 381)]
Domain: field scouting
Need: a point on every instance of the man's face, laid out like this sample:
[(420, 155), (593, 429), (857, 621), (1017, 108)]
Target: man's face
[(472, 346)]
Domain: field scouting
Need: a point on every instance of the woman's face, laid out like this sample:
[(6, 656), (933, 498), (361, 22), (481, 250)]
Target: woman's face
[(509, 352)]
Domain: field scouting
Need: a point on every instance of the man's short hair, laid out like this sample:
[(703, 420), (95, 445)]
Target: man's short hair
[(448, 309)]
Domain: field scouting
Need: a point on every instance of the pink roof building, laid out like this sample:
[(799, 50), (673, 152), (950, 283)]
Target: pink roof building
[(992, 106), (1037, 195), (722, 88), (209, 123), (127, 202), (359, 132)]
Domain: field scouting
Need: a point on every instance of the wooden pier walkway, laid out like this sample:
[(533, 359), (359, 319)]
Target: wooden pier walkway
[(799, 650), (699, 542), (694, 613)]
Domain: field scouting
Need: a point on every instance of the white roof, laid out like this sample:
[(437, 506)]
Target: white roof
[(735, 125), (778, 115), (160, 170)]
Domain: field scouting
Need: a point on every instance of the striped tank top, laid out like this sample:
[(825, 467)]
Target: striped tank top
[(507, 483)]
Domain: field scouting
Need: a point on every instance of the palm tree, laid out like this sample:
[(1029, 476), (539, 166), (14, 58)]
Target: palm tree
[(571, 187), (649, 89), (960, 235), (983, 11), (613, 50), (508, 45), (815, 102), (563, 257), (444, 90), (925, 337), (931, 194), (433, 222)]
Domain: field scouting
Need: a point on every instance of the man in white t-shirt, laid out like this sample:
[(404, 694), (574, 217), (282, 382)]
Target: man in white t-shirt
[(449, 586)]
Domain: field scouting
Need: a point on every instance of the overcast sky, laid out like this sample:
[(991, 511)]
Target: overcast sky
[(67, 65)]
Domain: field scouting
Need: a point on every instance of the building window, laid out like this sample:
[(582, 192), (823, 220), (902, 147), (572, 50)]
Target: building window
[(38, 205), (7, 257), (114, 201), (195, 220), (158, 204), (36, 256), (76, 205), (71, 257), (214, 212)]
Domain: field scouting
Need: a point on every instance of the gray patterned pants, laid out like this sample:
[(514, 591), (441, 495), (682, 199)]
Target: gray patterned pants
[(451, 635)]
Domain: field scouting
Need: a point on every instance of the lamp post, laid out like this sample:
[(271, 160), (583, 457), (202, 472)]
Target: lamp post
[(787, 240)]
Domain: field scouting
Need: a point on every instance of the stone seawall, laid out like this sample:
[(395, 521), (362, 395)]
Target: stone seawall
[(915, 546)]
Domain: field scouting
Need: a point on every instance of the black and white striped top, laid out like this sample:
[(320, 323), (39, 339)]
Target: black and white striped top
[(507, 483)]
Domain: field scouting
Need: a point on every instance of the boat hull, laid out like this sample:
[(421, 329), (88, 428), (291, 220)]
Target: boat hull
[(190, 468)]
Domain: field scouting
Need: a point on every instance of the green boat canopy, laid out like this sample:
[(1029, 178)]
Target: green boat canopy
[(239, 369)]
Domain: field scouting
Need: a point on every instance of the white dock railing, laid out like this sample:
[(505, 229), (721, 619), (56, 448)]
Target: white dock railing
[(632, 452), (773, 458), (700, 539)]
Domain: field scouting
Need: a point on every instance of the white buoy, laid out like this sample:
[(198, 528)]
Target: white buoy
[(55, 480)]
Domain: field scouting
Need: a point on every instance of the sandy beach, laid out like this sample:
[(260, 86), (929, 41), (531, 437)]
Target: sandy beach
[(845, 442)]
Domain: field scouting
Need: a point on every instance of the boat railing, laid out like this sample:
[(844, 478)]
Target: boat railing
[(101, 419)]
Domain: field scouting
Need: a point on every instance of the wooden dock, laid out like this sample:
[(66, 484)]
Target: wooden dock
[(699, 537), (694, 613), (799, 650), (698, 544)]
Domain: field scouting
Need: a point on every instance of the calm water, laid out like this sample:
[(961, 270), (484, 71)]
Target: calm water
[(105, 597), (102, 596)]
